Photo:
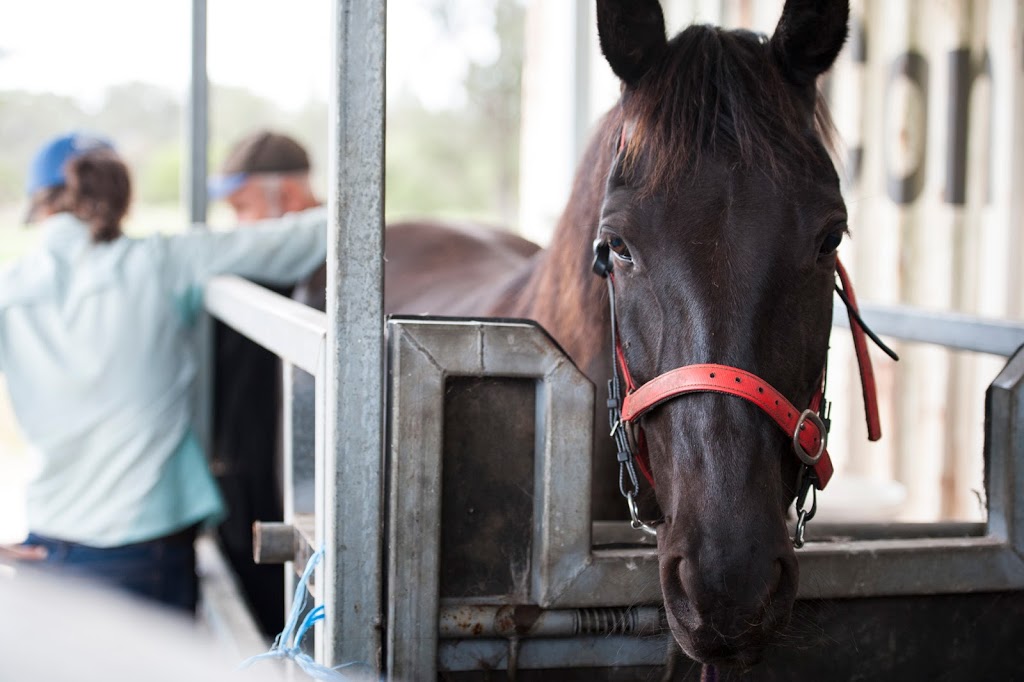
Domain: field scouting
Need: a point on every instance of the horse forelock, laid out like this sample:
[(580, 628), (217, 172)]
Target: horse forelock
[(719, 93)]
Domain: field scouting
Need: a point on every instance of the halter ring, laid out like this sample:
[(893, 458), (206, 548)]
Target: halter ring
[(635, 522), (803, 455)]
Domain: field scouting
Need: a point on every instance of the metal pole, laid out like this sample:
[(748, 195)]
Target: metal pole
[(194, 197), (583, 26), (196, 123), (349, 496)]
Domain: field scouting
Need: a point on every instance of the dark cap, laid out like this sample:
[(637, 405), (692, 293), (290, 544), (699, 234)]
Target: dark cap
[(260, 152)]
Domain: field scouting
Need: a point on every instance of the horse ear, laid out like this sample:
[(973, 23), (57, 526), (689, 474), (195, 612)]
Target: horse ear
[(632, 34), (809, 37)]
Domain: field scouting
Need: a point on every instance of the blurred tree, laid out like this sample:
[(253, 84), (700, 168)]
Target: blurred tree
[(462, 163), (26, 121), (158, 176)]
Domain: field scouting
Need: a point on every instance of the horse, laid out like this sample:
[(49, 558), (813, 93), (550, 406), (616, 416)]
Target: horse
[(716, 209)]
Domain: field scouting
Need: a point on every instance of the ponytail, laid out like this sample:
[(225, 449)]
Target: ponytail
[(98, 192)]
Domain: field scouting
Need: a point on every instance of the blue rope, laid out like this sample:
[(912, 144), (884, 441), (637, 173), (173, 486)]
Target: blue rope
[(286, 646)]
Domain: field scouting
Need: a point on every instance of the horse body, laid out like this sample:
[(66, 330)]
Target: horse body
[(711, 187), (457, 270)]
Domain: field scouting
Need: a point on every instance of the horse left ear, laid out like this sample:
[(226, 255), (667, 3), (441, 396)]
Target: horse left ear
[(809, 37), (632, 34)]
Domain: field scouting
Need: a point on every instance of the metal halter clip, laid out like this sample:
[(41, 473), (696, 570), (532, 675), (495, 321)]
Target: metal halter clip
[(635, 521), (803, 515), (803, 455)]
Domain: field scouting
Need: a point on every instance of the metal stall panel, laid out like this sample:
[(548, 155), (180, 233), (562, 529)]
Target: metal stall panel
[(423, 355), (349, 494), (1004, 455)]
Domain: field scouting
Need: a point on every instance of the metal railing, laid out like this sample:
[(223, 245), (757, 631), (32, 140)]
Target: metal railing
[(950, 330)]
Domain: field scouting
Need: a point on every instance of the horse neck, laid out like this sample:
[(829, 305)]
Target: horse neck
[(562, 293)]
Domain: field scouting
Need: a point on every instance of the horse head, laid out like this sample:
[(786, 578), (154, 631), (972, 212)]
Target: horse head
[(721, 217)]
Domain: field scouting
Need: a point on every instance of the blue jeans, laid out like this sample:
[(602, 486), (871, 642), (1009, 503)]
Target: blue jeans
[(161, 570)]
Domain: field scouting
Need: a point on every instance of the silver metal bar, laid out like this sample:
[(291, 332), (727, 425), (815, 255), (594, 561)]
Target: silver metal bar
[(273, 542), (196, 122), (350, 518), (857, 568), (583, 26), (575, 652), (295, 332), (1004, 473), (953, 330), (483, 621), (193, 192), (414, 509)]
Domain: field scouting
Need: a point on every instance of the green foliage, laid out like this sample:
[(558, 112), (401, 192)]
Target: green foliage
[(462, 163), (158, 178)]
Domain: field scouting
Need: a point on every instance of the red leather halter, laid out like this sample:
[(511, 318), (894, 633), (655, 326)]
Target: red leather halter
[(806, 429)]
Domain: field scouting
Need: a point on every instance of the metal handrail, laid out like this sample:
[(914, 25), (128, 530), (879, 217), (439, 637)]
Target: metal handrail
[(291, 330), (952, 330)]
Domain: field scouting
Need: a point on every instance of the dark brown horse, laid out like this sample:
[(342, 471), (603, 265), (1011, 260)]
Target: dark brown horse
[(711, 184)]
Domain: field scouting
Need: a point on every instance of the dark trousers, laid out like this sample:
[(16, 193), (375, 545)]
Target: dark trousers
[(161, 570)]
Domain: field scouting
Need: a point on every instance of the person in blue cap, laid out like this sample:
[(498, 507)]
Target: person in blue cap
[(96, 345)]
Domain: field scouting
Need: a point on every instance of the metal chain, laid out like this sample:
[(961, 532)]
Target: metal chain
[(625, 454)]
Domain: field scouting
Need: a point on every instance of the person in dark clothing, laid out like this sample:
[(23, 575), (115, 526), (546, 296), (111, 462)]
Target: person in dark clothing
[(266, 174)]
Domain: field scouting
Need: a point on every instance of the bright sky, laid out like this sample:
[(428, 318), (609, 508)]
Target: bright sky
[(278, 48)]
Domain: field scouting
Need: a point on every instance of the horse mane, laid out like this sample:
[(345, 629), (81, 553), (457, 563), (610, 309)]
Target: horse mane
[(718, 92)]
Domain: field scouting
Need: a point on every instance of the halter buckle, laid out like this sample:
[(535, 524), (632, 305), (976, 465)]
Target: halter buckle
[(804, 456)]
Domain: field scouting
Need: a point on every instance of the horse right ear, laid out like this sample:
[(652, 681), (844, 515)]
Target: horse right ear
[(632, 34), (809, 37)]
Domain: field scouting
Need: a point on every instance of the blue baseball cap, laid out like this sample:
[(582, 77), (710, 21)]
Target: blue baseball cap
[(220, 186), (47, 169)]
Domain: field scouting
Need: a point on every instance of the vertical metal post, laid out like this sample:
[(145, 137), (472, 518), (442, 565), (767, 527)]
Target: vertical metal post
[(196, 123), (194, 196), (583, 26), (349, 496)]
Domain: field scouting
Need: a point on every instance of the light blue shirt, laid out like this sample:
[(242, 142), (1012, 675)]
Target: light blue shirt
[(96, 341)]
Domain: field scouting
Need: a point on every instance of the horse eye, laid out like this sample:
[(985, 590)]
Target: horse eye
[(618, 246), (832, 241)]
